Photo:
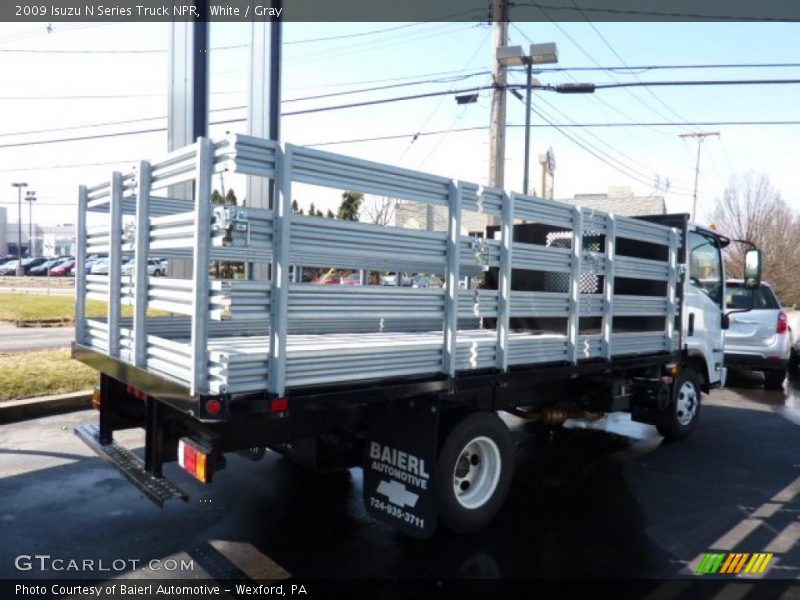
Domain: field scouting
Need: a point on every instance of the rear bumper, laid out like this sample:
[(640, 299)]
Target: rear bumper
[(755, 362)]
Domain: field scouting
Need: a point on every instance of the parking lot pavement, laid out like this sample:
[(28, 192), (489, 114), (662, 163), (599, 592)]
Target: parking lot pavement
[(23, 339), (584, 503)]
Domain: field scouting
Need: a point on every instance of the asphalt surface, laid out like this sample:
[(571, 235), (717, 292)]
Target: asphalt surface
[(584, 503), (23, 339)]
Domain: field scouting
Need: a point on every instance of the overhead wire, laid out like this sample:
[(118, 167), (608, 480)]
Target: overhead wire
[(593, 97), (622, 60)]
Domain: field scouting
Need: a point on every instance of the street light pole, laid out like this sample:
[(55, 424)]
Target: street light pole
[(30, 198), (540, 54), (528, 86), (19, 185)]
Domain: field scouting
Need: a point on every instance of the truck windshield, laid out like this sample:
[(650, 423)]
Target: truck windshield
[(705, 265)]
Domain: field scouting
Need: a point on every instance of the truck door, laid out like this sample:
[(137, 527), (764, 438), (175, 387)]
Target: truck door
[(704, 293)]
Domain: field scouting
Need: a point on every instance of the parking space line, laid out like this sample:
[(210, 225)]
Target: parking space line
[(735, 535), (788, 493), (250, 560), (766, 510), (785, 540)]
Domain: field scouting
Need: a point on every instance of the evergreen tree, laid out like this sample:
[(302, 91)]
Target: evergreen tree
[(330, 214), (230, 198), (351, 203)]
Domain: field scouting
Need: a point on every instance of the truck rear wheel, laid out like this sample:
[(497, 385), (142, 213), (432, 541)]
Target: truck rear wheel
[(474, 471), (680, 416)]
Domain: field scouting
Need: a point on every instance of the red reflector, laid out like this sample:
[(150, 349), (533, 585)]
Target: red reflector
[(279, 405), (213, 407)]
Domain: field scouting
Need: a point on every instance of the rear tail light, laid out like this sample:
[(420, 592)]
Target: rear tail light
[(279, 405), (783, 324), (195, 460)]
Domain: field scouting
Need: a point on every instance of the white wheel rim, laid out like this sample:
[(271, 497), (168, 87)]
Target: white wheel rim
[(686, 406), (477, 472)]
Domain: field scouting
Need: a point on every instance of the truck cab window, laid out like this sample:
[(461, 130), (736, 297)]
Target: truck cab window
[(705, 266)]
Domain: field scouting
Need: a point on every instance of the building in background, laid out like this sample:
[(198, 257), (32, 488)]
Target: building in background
[(620, 200), (56, 240), (3, 234), (48, 240)]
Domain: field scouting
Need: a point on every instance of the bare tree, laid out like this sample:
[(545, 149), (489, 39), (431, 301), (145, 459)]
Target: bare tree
[(381, 210), (751, 209)]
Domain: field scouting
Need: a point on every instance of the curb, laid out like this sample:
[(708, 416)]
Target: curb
[(33, 408)]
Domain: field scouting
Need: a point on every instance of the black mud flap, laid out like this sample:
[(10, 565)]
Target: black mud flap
[(650, 399), (400, 465)]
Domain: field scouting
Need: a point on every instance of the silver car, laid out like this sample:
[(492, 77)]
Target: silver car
[(757, 340)]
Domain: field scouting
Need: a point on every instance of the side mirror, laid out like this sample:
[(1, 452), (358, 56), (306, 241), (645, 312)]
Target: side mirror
[(725, 322), (752, 269)]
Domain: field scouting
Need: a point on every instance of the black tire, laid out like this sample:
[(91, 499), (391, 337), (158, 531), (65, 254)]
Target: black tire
[(685, 402), (773, 379), (485, 433), (794, 363)]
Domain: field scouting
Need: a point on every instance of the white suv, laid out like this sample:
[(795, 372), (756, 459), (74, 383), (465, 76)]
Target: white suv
[(757, 340), (155, 267)]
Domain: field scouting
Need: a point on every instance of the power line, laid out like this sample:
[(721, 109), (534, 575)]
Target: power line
[(643, 68), (378, 31), (107, 51), (450, 79), (591, 58), (629, 158), (106, 123), (387, 100), (648, 175), (622, 60), (593, 97), (389, 86), (69, 166), (650, 13), (605, 86)]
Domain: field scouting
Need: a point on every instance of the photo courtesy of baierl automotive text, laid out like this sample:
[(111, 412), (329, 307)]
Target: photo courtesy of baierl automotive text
[(459, 298)]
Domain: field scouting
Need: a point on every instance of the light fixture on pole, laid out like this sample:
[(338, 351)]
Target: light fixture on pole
[(19, 185), (540, 54), (30, 198)]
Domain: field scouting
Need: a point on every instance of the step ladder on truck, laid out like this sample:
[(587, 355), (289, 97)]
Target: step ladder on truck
[(555, 311)]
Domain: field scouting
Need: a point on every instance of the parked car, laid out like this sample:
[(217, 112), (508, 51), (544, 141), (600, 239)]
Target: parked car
[(757, 340), (64, 269), (391, 279), (7, 258), (43, 268), (428, 281), (100, 266), (10, 268), (155, 267)]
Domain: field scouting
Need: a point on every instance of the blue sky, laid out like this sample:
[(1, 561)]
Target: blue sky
[(312, 68)]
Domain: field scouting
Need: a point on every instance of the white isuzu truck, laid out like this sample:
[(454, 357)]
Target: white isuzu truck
[(551, 312)]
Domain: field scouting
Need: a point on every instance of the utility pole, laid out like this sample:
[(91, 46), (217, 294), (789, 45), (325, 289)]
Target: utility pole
[(30, 198), (700, 136), (497, 123)]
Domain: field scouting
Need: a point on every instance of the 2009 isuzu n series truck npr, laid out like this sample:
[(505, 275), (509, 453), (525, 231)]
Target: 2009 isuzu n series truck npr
[(555, 311)]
